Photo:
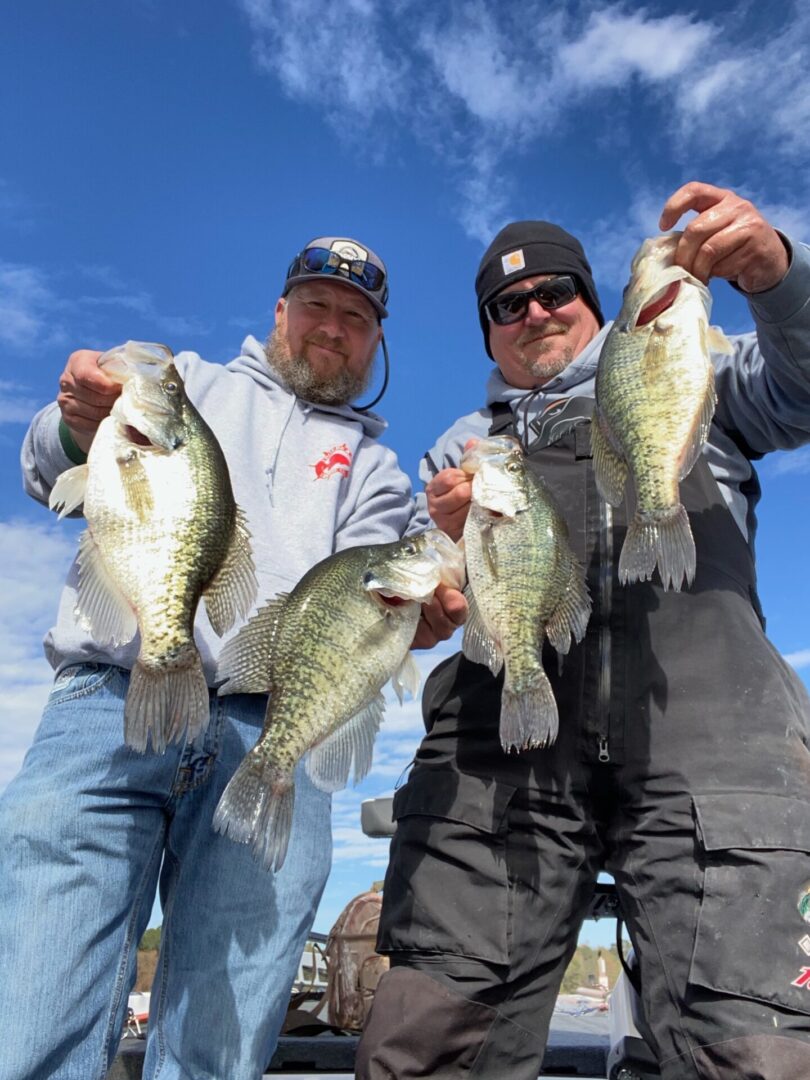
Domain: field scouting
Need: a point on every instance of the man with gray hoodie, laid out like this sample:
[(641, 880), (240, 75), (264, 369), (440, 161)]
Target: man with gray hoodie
[(682, 763), (90, 829)]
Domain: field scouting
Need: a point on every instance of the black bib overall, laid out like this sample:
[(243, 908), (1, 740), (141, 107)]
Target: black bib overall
[(681, 768)]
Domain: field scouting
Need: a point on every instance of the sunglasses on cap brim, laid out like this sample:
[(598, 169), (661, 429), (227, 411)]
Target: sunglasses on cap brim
[(318, 260), (512, 307)]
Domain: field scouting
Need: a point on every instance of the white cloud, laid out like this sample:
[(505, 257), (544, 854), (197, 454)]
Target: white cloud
[(616, 45), (715, 84), (143, 305), (476, 66), (331, 54), (611, 242), (755, 89), (16, 406), (30, 310), (799, 660), (484, 84), (33, 308), (352, 843), (794, 462), (33, 561)]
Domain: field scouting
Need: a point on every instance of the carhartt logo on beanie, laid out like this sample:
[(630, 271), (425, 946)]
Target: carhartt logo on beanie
[(525, 249)]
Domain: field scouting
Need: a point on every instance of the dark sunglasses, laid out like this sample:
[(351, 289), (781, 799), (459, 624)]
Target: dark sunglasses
[(318, 260), (512, 307)]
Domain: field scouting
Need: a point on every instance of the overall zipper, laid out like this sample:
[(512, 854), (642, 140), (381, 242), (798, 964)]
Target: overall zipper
[(605, 607)]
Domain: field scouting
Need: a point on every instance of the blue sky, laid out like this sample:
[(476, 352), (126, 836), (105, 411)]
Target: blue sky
[(163, 161)]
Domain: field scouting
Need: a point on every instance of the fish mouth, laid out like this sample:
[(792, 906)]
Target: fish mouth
[(131, 433), (658, 304), (387, 597), (390, 593), (137, 438)]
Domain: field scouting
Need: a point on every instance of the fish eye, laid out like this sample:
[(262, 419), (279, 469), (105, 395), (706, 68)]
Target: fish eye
[(513, 466), (170, 387), (409, 548)]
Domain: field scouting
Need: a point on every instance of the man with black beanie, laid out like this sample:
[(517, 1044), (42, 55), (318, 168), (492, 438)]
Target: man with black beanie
[(681, 765)]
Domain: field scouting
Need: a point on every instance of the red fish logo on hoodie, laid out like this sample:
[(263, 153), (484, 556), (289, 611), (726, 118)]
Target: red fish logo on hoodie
[(334, 462)]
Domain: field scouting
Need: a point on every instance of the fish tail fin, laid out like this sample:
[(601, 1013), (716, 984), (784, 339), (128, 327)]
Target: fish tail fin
[(663, 539), (529, 717), (166, 701), (257, 808)]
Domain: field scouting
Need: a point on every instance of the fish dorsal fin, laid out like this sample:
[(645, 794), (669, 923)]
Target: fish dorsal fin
[(570, 618), (478, 645), (102, 608), (246, 661), (68, 491), (406, 677), (610, 471), (230, 593), (351, 744), (700, 431)]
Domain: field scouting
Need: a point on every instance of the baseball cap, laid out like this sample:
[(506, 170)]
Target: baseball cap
[(344, 260)]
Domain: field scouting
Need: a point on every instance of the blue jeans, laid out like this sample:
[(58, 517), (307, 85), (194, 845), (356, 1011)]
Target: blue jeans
[(88, 831)]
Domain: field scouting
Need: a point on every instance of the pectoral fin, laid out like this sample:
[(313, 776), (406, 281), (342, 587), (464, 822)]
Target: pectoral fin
[(69, 490), (571, 616), (351, 744), (700, 431), (610, 471), (718, 342), (477, 644), (406, 677), (101, 607)]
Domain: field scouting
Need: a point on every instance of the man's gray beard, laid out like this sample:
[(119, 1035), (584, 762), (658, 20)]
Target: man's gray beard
[(541, 366), (298, 376)]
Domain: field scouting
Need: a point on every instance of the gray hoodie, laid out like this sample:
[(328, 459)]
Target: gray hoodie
[(312, 480), (763, 392)]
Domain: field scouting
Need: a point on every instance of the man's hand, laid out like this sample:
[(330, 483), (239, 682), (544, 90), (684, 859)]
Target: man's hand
[(440, 618), (448, 500), (729, 238), (86, 396)]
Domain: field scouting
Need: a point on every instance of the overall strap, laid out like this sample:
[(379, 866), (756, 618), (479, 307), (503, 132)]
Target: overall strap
[(503, 422)]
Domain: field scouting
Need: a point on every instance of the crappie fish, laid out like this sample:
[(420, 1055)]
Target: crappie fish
[(162, 530), (524, 582), (655, 400), (324, 651)]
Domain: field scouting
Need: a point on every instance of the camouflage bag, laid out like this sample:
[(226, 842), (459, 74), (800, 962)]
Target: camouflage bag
[(354, 967)]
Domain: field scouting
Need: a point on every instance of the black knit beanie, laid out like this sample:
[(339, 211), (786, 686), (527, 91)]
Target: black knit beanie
[(524, 249)]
